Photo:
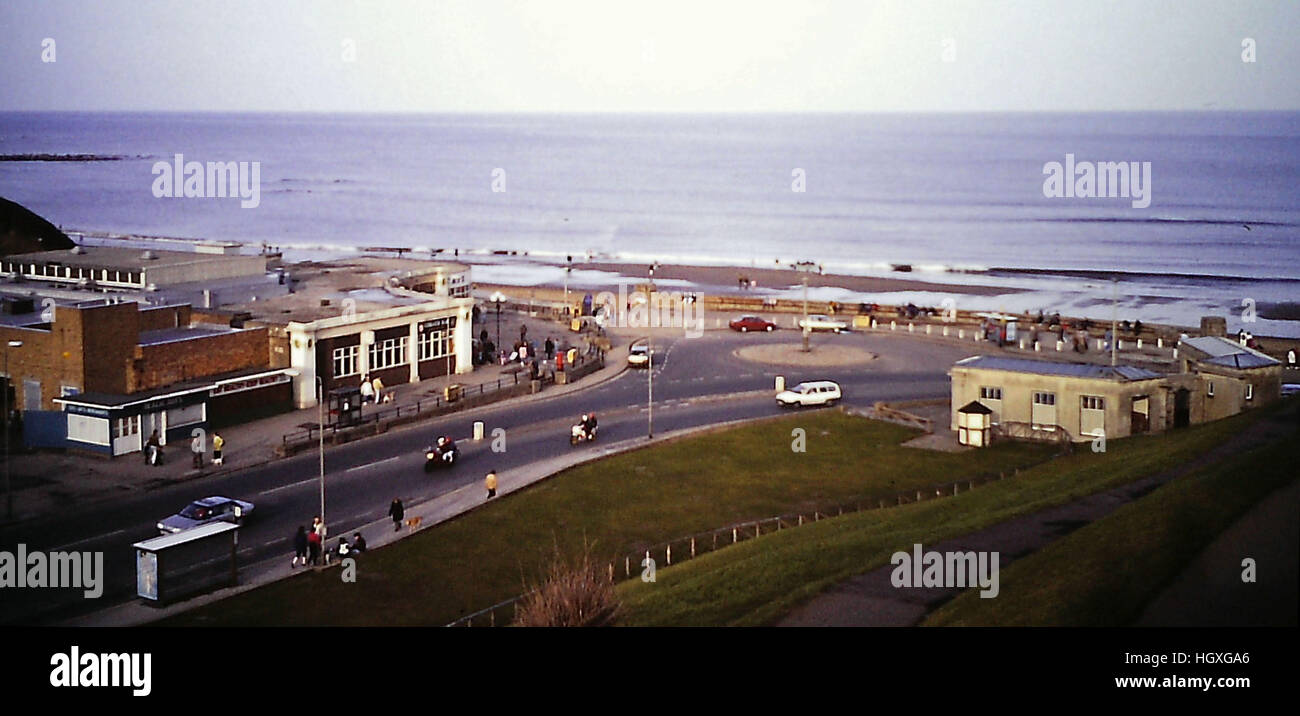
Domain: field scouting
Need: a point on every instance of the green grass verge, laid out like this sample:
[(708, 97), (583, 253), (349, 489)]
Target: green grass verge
[(758, 581), (621, 504), (1105, 573)]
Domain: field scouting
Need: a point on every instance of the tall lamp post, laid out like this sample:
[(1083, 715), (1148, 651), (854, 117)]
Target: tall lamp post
[(9, 493), (804, 267), (567, 268), (498, 298), (650, 363)]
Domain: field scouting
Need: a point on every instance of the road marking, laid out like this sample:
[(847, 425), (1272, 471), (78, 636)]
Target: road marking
[(372, 464), (289, 486), (62, 548)]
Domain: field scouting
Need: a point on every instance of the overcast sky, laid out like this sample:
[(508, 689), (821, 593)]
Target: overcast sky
[(664, 56)]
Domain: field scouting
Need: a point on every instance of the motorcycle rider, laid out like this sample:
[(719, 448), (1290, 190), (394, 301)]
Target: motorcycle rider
[(591, 425), (446, 448)]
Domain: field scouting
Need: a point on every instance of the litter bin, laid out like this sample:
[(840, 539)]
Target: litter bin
[(453, 392)]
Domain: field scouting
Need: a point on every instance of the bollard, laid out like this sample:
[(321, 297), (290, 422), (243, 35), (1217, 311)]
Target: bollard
[(961, 332), (1139, 344), (1100, 344), (1022, 344), (478, 429), (927, 329), (1059, 346), (1036, 346), (909, 328), (893, 325), (873, 323), (780, 383), (1119, 345), (945, 331), (1175, 352), (1160, 343)]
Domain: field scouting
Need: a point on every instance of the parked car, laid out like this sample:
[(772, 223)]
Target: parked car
[(745, 324), (822, 322), (202, 512), (818, 392), (639, 356)]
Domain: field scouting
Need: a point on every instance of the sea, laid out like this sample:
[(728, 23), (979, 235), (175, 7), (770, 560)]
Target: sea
[(948, 198)]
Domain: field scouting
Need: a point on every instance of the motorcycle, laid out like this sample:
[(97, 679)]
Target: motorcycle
[(440, 456), (578, 434)]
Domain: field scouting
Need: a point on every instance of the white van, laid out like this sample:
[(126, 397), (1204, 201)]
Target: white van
[(818, 392)]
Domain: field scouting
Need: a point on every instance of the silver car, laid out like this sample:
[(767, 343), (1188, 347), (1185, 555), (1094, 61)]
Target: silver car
[(201, 512)]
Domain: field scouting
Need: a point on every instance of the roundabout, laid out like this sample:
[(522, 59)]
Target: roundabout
[(792, 354)]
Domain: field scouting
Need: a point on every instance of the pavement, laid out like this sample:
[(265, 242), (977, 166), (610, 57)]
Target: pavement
[(870, 599)]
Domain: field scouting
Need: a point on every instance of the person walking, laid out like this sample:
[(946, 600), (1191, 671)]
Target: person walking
[(313, 548), (151, 449), (379, 390), (550, 348), (491, 483), (196, 448), (299, 547), (367, 390), (397, 513), (218, 443)]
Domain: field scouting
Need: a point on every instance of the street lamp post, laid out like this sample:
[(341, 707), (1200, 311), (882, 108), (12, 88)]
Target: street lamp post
[(9, 493), (650, 365), (567, 268), (803, 267), (498, 298), (320, 417)]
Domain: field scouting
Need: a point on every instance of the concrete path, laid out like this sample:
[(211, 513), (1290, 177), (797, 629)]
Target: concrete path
[(870, 599)]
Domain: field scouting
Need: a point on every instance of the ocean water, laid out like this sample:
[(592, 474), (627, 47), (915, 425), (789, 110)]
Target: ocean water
[(941, 193)]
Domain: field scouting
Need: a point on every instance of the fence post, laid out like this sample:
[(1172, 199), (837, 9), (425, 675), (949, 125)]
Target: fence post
[(611, 571), (627, 566), (733, 535), (670, 553), (801, 519), (758, 526), (692, 548)]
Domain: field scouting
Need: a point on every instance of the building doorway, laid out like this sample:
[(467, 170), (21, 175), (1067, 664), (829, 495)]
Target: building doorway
[(1182, 408), (1140, 415)]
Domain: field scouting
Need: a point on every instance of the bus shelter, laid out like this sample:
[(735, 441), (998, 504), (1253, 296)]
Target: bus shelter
[(197, 560)]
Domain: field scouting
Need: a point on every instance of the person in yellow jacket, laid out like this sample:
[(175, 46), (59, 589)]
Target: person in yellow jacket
[(217, 443), (491, 483)]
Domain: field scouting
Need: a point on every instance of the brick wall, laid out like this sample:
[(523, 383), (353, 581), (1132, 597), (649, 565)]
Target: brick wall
[(160, 365)]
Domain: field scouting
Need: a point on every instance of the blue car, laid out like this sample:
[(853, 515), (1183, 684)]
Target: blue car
[(201, 512)]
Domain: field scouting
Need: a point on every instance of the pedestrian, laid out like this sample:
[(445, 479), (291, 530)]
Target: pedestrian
[(491, 483), (318, 526), (218, 443), (550, 348), (397, 513), (367, 390), (196, 448), (313, 548), (358, 543), (151, 449), (299, 547), (379, 390)]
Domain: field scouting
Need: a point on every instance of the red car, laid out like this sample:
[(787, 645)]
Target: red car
[(745, 324)]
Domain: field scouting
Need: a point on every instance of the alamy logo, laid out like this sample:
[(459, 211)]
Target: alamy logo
[(1106, 180), (56, 570), (91, 669), (196, 180), (946, 569), (657, 309)]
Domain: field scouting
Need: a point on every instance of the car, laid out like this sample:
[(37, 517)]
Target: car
[(639, 356), (745, 324), (205, 511), (817, 392), (1290, 388), (823, 322)]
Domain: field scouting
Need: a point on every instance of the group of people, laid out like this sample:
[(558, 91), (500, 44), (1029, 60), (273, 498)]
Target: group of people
[(372, 391), (308, 545), (153, 452)]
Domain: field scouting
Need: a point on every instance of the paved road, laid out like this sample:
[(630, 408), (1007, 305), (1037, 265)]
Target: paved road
[(697, 382)]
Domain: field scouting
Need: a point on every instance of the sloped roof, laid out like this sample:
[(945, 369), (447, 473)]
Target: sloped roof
[(1229, 353), (1090, 371), (975, 406)]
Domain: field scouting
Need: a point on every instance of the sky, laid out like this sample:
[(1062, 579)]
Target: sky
[(662, 56)]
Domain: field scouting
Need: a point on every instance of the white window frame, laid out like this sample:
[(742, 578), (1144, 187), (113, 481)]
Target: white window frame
[(1209, 391), (388, 353), (345, 354), (1250, 391)]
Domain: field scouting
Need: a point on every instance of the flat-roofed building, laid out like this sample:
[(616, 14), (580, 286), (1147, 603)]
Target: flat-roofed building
[(401, 321), (1049, 398), (1230, 377), (126, 268)]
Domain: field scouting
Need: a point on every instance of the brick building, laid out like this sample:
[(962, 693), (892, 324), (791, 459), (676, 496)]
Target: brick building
[(100, 374)]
